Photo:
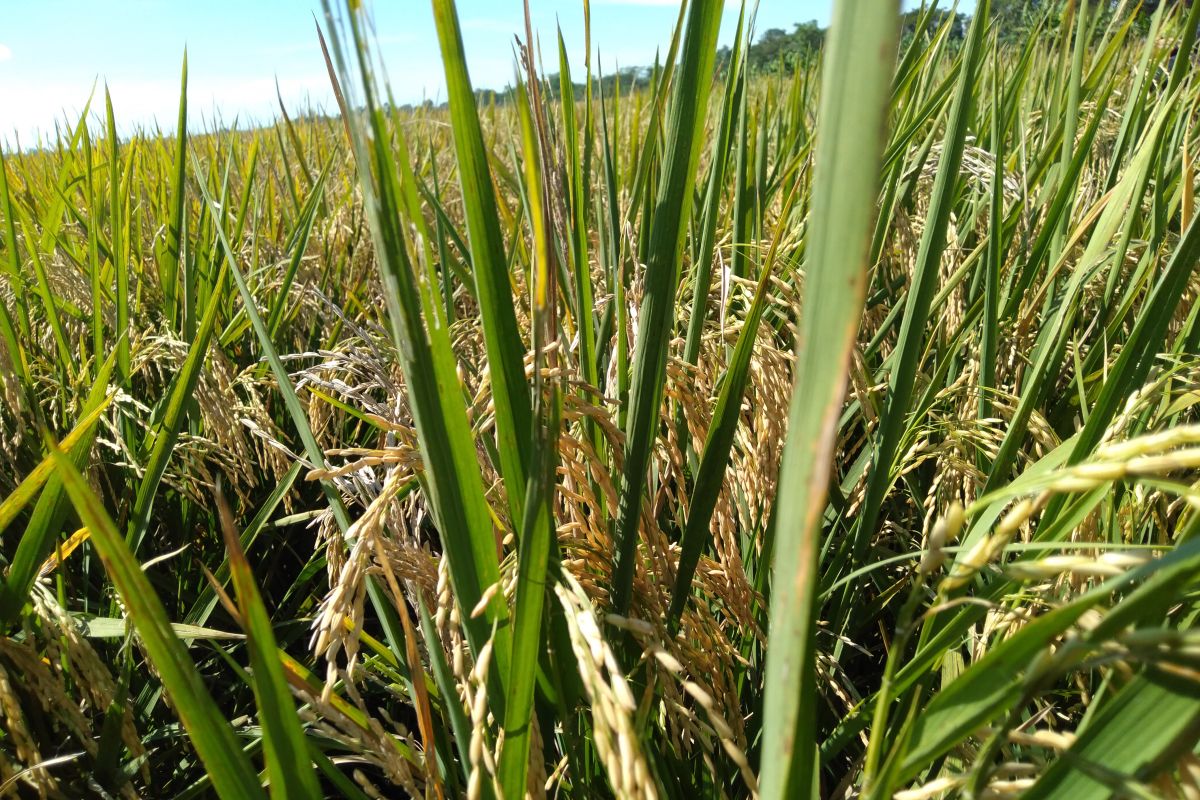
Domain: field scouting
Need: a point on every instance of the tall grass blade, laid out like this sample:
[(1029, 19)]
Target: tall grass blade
[(49, 513), (232, 776), (673, 207), (289, 771), (910, 344), (489, 266), (452, 478), (849, 149), (172, 258), (537, 527)]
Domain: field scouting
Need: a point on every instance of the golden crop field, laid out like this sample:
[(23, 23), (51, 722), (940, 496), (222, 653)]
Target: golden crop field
[(824, 426)]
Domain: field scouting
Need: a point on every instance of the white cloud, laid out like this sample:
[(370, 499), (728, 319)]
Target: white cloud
[(27, 109), (5, 52)]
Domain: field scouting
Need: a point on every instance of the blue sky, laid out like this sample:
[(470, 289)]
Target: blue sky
[(51, 51)]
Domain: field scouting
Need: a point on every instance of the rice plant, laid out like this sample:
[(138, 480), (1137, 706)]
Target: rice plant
[(825, 428)]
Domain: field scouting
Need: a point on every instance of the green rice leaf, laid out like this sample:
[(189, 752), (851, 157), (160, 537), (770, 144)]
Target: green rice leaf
[(849, 150)]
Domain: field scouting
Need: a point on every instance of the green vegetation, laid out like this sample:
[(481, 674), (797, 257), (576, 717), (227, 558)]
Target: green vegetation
[(483, 450)]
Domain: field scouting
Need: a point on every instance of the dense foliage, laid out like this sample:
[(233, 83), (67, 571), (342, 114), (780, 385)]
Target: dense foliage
[(825, 431)]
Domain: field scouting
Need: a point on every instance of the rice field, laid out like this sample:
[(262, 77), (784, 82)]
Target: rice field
[(829, 430)]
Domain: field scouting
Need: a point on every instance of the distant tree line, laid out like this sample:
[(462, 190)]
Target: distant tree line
[(624, 80), (777, 50)]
